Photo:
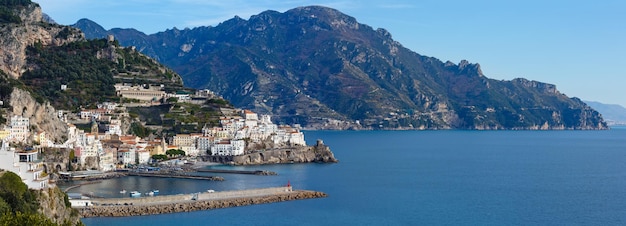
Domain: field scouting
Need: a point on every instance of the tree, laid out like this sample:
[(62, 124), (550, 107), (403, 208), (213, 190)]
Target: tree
[(15, 193), (175, 152), (139, 130), (159, 157), (172, 100), (25, 219), (4, 207)]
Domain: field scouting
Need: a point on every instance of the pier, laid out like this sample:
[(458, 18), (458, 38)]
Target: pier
[(181, 176), (254, 172), (119, 207)]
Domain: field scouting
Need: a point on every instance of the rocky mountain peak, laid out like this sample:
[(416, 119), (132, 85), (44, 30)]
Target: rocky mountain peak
[(46, 18), (321, 14), (469, 68), (91, 29), (32, 29)]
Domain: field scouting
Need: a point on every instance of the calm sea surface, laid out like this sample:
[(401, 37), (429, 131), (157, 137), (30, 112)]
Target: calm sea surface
[(423, 178)]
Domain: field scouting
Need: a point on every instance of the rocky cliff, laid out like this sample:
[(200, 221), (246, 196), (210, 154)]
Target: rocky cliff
[(317, 153), (320, 68), (42, 116), (54, 205), (16, 36)]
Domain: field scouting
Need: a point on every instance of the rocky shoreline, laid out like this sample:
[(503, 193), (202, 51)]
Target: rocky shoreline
[(317, 153), (192, 205)]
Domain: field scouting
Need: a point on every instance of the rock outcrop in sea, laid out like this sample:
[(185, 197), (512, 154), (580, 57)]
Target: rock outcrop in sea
[(317, 153)]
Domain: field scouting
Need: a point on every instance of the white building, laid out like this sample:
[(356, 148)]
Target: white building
[(190, 150), (25, 164), (19, 128), (107, 160), (228, 147), (203, 143), (115, 127), (126, 157), (143, 156)]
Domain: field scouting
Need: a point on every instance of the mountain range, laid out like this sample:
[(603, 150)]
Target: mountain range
[(613, 114), (320, 68)]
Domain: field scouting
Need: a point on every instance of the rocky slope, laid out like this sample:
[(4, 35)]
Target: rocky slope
[(42, 116), (38, 57), (33, 207), (15, 37), (52, 202), (322, 69)]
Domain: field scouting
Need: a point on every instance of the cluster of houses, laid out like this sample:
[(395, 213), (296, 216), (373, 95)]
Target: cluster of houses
[(113, 149), (26, 163)]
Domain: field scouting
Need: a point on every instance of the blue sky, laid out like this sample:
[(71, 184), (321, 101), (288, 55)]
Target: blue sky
[(578, 45)]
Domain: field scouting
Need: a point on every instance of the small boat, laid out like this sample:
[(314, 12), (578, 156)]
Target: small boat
[(135, 194), (210, 191), (155, 192), (123, 192), (150, 193)]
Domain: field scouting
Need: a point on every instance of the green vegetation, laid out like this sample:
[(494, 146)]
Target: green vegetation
[(178, 117), (89, 69), (18, 204), (83, 126), (7, 7), (15, 193), (25, 219), (89, 80), (191, 117), (139, 130), (175, 153), (159, 157), (149, 115), (218, 102), (64, 33)]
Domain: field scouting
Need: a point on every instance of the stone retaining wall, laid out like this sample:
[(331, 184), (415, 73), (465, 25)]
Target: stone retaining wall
[(206, 201)]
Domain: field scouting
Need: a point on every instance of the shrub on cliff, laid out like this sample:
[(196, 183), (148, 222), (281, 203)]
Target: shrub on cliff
[(15, 193), (20, 205)]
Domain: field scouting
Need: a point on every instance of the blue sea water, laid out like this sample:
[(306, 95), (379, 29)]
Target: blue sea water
[(423, 178)]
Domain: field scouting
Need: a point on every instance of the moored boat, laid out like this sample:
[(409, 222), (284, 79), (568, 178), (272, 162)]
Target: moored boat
[(135, 194)]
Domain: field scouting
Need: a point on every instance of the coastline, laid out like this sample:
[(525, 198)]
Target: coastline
[(121, 207)]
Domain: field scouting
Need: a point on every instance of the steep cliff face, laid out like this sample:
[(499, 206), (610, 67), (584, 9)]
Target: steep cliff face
[(52, 204), (43, 117), (16, 36)]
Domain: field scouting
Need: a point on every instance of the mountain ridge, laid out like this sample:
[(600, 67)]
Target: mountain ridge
[(318, 67), (614, 114)]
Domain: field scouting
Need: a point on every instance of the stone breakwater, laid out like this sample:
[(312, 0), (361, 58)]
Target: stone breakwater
[(186, 203)]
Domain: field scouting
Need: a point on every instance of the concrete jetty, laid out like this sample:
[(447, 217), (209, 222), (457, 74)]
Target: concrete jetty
[(118, 207), (254, 172), (182, 176)]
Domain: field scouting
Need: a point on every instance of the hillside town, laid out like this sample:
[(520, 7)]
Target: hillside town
[(115, 149)]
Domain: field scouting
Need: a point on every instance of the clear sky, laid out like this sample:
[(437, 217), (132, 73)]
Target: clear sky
[(579, 45)]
